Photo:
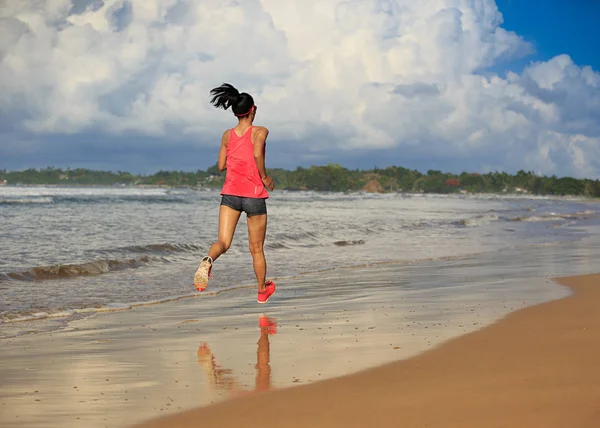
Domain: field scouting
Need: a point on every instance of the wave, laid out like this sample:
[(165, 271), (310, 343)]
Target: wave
[(295, 236), (538, 218), (27, 200), (24, 316), (347, 243), (90, 195), (580, 215), (139, 255), (153, 253), (162, 248), (342, 243), (95, 200), (300, 239), (481, 220), (276, 246), (146, 199), (89, 310), (59, 271)]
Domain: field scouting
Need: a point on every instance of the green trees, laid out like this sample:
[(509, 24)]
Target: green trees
[(591, 188), (331, 177)]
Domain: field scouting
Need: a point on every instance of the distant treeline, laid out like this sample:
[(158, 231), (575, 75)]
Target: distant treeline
[(324, 178)]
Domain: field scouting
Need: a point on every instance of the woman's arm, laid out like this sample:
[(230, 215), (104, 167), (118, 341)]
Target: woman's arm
[(260, 141), (222, 163)]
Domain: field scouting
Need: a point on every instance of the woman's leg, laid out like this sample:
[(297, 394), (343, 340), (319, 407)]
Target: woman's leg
[(228, 219), (257, 228)]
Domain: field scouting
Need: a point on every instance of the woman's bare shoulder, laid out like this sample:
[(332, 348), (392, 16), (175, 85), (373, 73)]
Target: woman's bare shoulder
[(225, 137), (261, 129)]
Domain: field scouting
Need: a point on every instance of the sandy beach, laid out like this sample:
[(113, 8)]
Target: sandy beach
[(537, 367)]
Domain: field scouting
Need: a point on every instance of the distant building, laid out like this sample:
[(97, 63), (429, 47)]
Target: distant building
[(3, 182)]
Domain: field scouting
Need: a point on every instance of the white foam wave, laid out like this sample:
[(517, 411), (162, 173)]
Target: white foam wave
[(480, 221), (535, 218), (28, 200), (15, 192), (542, 218), (110, 307)]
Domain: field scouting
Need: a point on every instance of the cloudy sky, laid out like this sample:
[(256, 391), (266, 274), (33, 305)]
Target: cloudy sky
[(457, 85)]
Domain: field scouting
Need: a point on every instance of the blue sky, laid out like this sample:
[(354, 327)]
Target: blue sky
[(442, 84), (556, 27)]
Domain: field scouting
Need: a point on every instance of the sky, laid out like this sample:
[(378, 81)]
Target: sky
[(455, 85), (555, 27)]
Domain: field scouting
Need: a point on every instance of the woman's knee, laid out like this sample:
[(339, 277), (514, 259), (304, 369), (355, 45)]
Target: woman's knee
[(256, 248), (225, 245)]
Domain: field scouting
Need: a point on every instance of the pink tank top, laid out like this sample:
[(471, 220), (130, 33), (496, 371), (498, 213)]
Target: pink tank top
[(242, 177)]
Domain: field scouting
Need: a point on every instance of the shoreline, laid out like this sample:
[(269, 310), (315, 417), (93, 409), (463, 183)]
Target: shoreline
[(66, 315), (213, 188), (535, 367)]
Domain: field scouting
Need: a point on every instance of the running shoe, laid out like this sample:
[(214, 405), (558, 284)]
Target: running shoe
[(263, 296), (203, 273)]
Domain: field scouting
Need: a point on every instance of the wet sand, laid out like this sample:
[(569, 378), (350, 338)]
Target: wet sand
[(537, 367)]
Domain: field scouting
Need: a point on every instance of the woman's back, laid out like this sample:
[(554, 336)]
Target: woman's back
[(242, 177)]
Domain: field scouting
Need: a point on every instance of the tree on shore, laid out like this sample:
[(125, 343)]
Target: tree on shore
[(331, 177)]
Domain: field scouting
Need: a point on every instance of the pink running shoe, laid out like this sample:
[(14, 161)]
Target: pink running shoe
[(203, 273), (263, 296)]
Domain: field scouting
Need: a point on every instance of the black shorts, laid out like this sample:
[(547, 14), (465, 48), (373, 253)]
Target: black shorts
[(251, 206)]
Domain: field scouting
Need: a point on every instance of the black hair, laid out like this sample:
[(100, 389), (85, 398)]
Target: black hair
[(226, 96)]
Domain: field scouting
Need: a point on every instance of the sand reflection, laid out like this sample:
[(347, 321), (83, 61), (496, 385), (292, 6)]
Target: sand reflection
[(223, 379)]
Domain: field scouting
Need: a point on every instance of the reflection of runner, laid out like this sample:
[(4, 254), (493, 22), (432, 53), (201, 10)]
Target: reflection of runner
[(263, 369), (220, 378)]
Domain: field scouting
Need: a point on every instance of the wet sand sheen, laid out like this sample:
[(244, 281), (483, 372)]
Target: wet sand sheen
[(538, 367), (122, 368)]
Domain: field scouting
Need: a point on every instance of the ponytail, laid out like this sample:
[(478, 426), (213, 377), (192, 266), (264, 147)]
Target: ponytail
[(226, 96)]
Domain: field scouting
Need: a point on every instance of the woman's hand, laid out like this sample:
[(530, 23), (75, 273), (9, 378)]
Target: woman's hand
[(268, 182)]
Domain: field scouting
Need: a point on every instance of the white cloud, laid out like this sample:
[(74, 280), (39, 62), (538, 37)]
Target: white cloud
[(379, 74)]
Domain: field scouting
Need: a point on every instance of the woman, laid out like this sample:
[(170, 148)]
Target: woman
[(242, 154)]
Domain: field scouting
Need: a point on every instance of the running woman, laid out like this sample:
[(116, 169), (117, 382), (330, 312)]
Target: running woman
[(242, 154)]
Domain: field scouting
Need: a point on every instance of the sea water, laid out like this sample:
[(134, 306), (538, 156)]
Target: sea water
[(69, 252)]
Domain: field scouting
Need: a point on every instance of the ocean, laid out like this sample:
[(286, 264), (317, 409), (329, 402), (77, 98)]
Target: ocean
[(73, 252)]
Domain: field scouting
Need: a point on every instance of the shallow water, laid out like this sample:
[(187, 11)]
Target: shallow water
[(67, 253)]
